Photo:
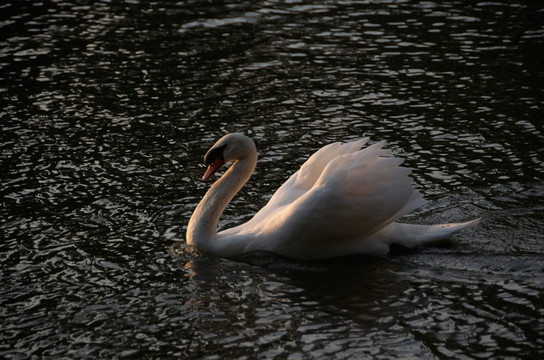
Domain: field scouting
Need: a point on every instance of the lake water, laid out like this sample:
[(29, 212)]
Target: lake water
[(108, 108)]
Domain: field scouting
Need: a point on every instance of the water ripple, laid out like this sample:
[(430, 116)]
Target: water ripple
[(108, 109)]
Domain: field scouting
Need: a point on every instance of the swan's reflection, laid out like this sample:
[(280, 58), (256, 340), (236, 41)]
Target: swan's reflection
[(355, 287)]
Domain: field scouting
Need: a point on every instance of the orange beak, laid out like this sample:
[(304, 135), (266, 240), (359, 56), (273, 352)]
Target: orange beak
[(212, 168)]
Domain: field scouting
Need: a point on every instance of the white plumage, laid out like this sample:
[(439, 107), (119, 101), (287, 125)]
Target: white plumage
[(343, 200)]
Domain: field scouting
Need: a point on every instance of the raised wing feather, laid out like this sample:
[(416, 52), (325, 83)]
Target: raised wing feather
[(304, 179), (356, 194), (374, 189)]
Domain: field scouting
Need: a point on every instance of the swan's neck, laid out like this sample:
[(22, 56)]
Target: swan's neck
[(202, 228)]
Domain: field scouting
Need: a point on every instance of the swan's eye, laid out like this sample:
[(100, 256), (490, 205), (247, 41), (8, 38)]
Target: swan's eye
[(210, 160), (214, 155)]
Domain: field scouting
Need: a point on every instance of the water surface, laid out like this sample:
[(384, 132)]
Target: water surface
[(109, 106)]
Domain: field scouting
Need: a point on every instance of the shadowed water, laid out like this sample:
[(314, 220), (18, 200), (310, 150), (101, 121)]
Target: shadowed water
[(108, 108)]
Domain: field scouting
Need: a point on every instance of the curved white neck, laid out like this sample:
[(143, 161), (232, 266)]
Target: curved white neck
[(202, 228)]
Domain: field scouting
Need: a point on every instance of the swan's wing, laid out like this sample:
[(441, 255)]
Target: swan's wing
[(365, 191), (355, 195), (304, 179)]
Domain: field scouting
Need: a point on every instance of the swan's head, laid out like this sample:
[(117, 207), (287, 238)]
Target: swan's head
[(231, 147)]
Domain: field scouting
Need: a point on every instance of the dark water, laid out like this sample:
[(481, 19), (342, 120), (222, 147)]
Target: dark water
[(108, 108)]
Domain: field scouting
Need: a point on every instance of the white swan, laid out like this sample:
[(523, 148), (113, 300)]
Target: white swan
[(342, 201)]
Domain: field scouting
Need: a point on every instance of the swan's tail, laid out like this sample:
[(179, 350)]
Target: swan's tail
[(410, 235)]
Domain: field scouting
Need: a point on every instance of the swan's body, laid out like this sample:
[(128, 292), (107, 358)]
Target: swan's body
[(342, 201)]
